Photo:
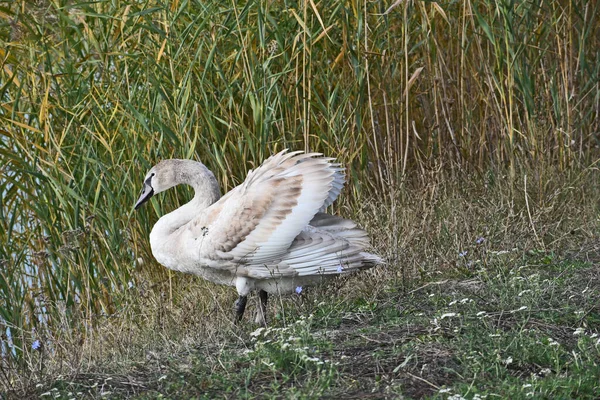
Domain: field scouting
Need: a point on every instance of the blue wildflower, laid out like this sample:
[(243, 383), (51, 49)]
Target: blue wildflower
[(340, 269), (462, 253), (299, 289), (36, 345), (480, 240)]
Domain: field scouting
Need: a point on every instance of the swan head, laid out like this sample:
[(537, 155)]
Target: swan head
[(160, 178), (169, 173)]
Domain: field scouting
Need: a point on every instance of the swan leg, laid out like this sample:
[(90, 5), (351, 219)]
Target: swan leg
[(261, 311), (240, 306)]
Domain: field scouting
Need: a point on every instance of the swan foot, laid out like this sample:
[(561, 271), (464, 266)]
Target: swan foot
[(261, 311), (240, 306)]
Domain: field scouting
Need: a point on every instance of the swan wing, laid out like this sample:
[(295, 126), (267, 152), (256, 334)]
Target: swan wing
[(339, 179), (256, 223), (330, 245), (318, 251)]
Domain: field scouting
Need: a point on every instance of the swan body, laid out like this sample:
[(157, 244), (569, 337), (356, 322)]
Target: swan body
[(269, 234)]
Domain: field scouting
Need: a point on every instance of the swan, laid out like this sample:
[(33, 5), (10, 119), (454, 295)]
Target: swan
[(270, 234)]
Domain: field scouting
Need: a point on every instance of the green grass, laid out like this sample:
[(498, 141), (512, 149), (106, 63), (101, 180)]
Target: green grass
[(522, 328)]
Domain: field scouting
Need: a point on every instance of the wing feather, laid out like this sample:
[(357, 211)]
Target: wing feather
[(256, 222), (339, 179)]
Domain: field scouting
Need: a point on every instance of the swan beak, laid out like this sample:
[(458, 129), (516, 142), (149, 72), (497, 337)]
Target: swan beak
[(147, 193)]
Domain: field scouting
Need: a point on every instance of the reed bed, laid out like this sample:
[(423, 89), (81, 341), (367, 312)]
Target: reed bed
[(95, 93)]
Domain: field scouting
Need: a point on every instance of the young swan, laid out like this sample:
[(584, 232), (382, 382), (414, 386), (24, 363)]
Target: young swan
[(268, 234)]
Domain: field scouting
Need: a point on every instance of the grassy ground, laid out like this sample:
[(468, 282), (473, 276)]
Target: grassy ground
[(486, 295), (419, 100), (525, 325)]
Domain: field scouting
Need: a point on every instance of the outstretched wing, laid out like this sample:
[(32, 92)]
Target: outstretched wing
[(256, 222), (339, 178)]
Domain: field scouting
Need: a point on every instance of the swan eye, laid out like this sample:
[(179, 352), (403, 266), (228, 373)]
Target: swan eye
[(147, 181)]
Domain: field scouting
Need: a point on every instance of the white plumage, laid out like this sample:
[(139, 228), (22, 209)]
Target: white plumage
[(269, 234)]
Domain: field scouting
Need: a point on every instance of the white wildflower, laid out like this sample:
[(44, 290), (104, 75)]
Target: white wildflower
[(257, 332), (448, 315), (552, 342), (508, 361), (578, 331), (445, 390), (304, 357)]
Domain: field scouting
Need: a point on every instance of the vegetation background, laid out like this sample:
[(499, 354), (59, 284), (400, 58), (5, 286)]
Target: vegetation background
[(455, 119)]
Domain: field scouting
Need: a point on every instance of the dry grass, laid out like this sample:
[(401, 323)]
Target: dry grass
[(433, 225)]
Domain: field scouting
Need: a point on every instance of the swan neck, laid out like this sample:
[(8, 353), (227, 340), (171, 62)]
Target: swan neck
[(206, 192)]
